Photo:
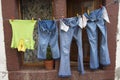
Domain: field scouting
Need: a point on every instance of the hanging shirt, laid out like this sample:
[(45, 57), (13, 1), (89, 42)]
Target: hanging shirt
[(22, 34)]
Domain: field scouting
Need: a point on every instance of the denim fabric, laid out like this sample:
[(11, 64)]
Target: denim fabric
[(65, 42), (95, 21), (47, 35)]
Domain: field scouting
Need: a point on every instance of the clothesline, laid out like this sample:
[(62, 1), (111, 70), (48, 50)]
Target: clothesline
[(112, 2)]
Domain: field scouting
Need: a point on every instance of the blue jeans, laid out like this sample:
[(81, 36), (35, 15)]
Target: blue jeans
[(95, 22), (65, 42), (47, 35)]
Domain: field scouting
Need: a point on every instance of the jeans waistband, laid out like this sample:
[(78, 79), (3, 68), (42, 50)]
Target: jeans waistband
[(71, 22), (47, 25), (95, 15), (95, 20)]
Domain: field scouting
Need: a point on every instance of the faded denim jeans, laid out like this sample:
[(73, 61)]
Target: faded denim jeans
[(47, 35), (72, 30), (96, 21)]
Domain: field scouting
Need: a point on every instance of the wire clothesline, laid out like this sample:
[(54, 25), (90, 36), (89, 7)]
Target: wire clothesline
[(108, 4), (112, 2)]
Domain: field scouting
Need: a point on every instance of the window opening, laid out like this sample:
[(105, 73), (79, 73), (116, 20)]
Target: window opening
[(34, 9), (43, 9), (75, 7)]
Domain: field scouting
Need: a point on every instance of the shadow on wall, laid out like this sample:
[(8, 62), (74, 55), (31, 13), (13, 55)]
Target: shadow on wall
[(117, 73)]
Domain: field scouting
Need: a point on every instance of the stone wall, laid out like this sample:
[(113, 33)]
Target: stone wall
[(12, 61), (3, 68), (117, 74)]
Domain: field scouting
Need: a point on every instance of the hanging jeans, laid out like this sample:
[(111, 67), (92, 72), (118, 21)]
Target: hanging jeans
[(47, 35), (95, 21), (65, 42)]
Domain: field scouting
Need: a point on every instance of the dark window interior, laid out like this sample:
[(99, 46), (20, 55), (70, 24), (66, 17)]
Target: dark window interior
[(75, 7), (34, 9)]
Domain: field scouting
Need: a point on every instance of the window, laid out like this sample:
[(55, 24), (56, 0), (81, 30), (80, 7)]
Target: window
[(44, 9), (34, 9)]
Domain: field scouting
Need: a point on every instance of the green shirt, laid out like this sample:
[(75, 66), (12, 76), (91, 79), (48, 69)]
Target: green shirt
[(22, 34)]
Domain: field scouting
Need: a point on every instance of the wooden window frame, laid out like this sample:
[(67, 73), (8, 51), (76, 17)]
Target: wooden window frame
[(21, 54)]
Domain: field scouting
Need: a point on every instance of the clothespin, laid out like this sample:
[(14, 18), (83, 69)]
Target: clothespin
[(39, 19), (12, 18), (62, 16), (53, 18), (88, 11), (77, 14), (32, 19)]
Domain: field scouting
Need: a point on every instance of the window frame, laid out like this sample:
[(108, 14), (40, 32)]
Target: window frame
[(21, 54)]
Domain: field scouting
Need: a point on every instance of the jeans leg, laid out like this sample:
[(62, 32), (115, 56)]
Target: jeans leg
[(78, 37), (65, 41), (54, 44), (43, 39), (104, 53), (93, 40)]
